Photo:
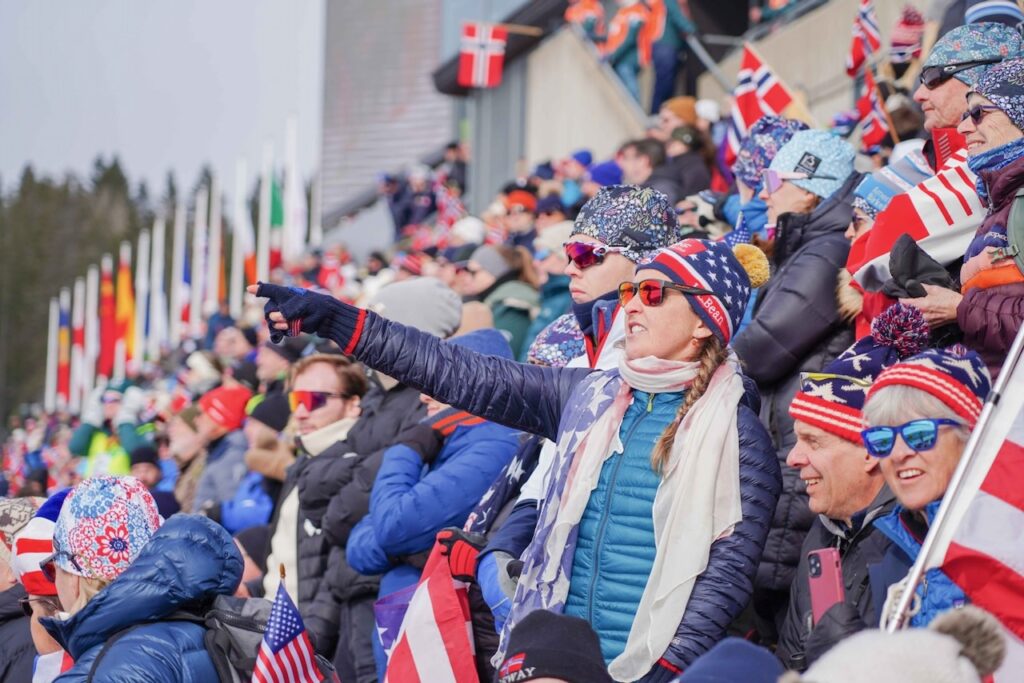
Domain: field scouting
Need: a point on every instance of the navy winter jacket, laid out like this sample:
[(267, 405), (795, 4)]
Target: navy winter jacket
[(531, 398), (187, 563), (410, 503)]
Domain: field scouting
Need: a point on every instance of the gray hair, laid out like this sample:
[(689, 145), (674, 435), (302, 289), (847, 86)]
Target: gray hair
[(897, 404)]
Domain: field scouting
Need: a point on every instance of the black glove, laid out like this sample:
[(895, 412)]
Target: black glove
[(840, 621), (313, 313), (424, 439), (461, 548)]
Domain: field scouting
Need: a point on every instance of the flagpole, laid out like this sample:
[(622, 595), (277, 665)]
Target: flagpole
[(121, 344), (157, 333), (885, 110), (198, 269), (237, 257), (141, 301), (92, 329), (211, 301), (77, 386), (177, 275), (955, 483), (50, 386), (263, 236), (293, 241)]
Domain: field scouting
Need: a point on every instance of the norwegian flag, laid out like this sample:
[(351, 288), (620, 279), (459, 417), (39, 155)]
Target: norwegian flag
[(866, 38), (758, 93), (449, 207), (874, 119), (978, 544), (482, 55), (286, 654), (433, 643), (941, 213)]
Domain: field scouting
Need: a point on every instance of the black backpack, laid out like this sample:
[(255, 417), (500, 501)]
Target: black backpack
[(234, 633)]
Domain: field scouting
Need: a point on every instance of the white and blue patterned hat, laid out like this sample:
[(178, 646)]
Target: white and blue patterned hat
[(827, 159)]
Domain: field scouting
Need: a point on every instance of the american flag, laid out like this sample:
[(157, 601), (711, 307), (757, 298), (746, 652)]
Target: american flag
[(740, 234), (482, 55), (941, 213), (758, 93), (866, 38), (874, 119), (286, 654)]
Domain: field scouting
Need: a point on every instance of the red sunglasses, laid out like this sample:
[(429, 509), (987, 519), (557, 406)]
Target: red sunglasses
[(652, 292), (585, 255), (311, 400)]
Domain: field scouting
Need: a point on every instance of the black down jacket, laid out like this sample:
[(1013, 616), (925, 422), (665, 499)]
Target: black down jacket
[(17, 653), (532, 399), (796, 328), (860, 547), (334, 494)]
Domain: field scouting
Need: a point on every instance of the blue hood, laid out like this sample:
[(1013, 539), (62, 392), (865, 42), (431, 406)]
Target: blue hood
[(189, 560)]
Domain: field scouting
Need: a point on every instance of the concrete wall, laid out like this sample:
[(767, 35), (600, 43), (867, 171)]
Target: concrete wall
[(809, 56), (572, 101)]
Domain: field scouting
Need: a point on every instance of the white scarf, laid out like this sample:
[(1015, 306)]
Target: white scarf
[(697, 502)]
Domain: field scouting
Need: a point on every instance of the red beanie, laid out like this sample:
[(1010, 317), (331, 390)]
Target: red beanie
[(226, 406)]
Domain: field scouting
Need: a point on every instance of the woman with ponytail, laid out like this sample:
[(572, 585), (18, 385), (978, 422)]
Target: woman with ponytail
[(663, 487)]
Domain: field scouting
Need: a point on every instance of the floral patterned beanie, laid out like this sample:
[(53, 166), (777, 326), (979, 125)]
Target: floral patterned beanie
[(103, 526)]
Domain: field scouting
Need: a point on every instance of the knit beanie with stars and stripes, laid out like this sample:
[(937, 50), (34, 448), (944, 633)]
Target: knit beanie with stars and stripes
[(833, 399), (728, 273)]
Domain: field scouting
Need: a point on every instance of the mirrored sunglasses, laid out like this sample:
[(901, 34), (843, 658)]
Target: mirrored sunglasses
[(934, 76), (585, 255), (652, 292), (310, 400), (919, 435)]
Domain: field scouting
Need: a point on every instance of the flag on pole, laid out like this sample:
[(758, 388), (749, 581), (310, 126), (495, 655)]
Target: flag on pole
[(179, 293), (78, 388), (156, 334), (296, 218), (433, 642), (874, 119), (263, 228), (286, 654), (108, 319), (92, 328), (212, 296), (243, 243), (197, 266), (276, 224), (124, 313), (758, 93), (141, 302), (64, 350), (866, 38), (52, 351), (941, 213), (482, 55)]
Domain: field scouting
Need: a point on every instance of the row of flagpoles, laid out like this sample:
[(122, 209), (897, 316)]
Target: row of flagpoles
[(109, 325)]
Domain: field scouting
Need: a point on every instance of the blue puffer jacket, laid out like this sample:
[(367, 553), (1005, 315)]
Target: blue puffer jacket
[(615, 545), (410, 503), (531, 398), (189, 561), (938, 592)]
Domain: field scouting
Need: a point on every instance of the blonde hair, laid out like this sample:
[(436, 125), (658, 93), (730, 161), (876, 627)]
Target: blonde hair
[(711, 358), (87, 590)]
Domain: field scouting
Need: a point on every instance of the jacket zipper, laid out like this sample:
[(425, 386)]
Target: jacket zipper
[(599, 538)]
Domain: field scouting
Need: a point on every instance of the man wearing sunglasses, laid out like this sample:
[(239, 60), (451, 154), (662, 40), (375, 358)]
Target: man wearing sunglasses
[(844, 483)]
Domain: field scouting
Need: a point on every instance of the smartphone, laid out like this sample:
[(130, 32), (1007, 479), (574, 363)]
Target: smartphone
[(825, 576)]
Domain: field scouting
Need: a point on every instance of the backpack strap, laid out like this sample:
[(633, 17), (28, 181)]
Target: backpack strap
[(1015, 231), (106, 646)]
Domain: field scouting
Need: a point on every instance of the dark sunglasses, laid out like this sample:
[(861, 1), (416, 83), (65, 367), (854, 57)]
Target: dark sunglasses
[(311, 400), (934, 76), (652, 292), (49, 566), (52, 604), (585, 255), (920, 435), (978, 112)]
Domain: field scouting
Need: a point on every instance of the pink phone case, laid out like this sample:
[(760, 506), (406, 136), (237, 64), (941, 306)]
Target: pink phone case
[(825, 576)]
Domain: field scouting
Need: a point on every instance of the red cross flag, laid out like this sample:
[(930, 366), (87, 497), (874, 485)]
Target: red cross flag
[(482, 55)]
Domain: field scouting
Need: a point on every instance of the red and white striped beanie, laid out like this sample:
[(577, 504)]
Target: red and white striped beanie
[(34, 543)]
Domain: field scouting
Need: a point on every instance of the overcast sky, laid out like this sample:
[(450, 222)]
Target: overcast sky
[(164, 84)]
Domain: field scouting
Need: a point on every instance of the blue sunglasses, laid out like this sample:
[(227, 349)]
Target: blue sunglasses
[(920, 435)]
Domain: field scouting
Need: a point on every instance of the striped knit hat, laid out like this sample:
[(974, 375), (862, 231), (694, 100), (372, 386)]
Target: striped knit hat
[(34, 543), (956, 376), (717, 268), (834, 398)]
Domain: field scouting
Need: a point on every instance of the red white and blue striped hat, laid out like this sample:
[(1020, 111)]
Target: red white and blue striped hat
[(712, 266), (956, 376), (34, 543)]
